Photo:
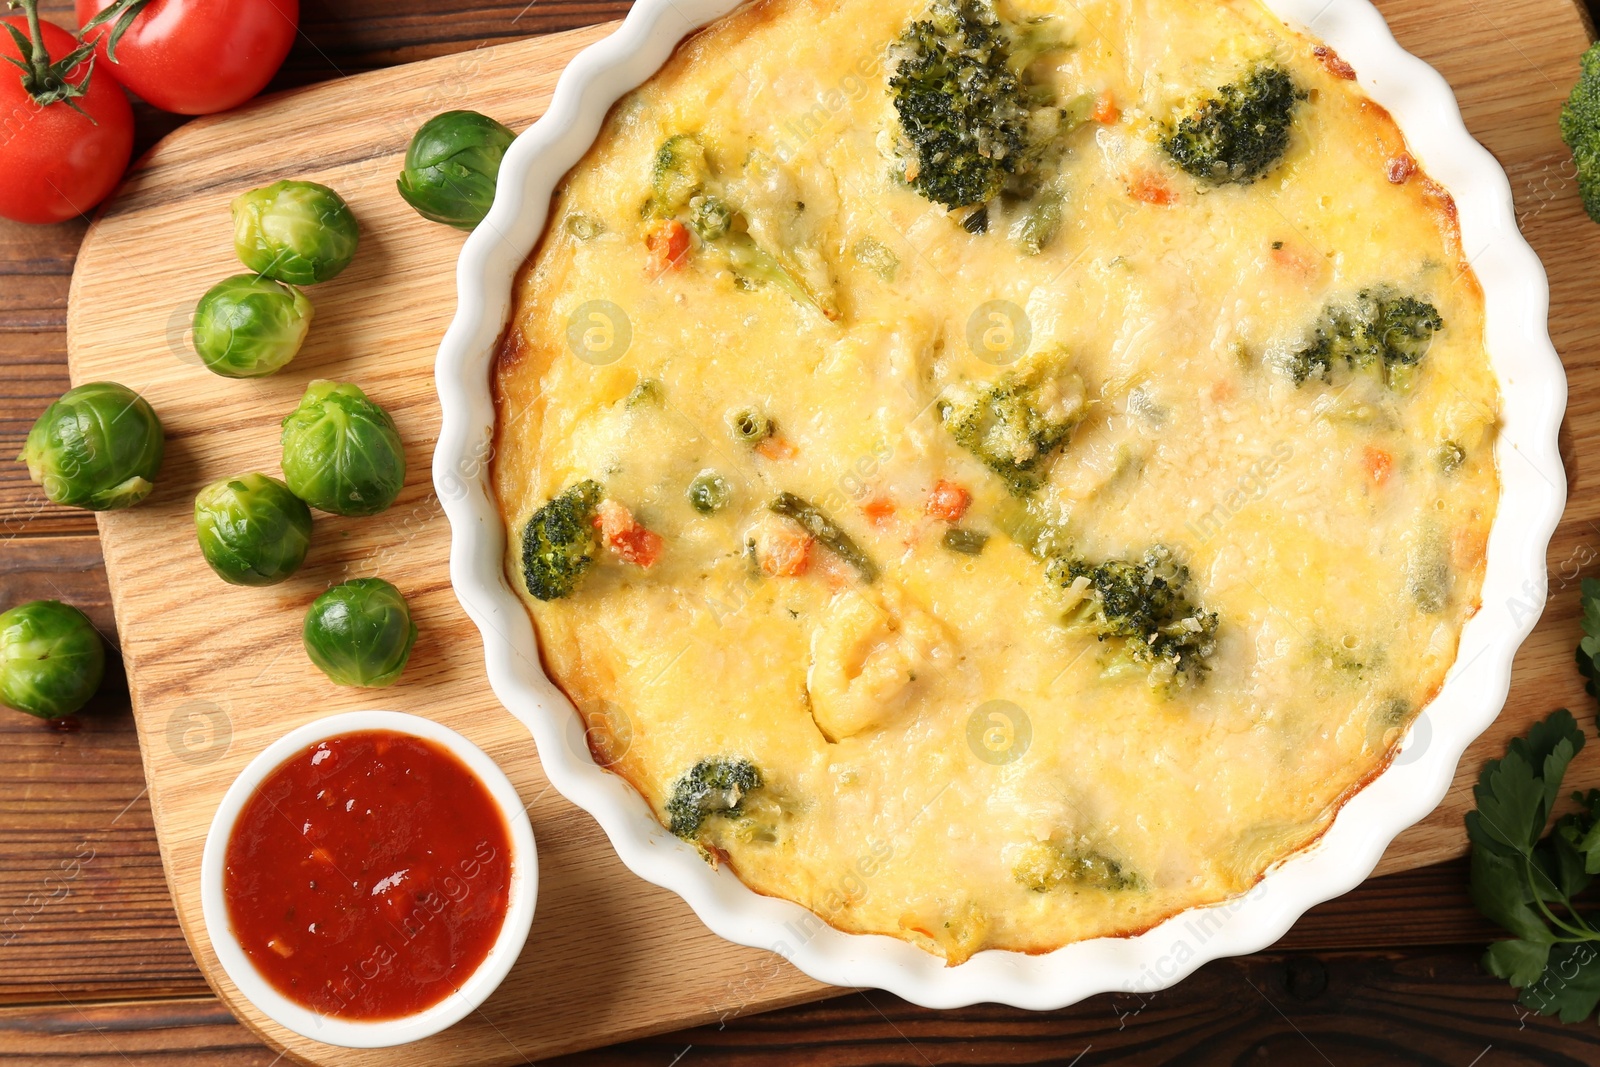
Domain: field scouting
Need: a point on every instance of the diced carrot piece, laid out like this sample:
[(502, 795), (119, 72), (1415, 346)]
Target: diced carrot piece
[(948, 501), (623, 534), (667, 240), (1148, 188), (638, 546), (1222, 391), (835, 573), (1105, 108), (1297, 259), (776, 447), (879, 511), (783, 549), (1378, 464)]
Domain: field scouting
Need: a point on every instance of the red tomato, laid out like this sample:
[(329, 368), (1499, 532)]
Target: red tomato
[(196, 57), (57, 163)]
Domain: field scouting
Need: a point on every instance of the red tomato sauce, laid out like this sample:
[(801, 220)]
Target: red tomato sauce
[(368, 876)]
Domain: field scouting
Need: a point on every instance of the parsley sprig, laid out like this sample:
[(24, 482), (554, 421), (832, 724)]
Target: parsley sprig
[(1525, 880)]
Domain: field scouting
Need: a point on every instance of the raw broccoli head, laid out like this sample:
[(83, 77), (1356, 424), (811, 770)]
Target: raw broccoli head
[(1580, 128), (716, 785), (1013, 423), (1380, 329), (964, 105), (559, 542), (1238, 134), (1148, 605)]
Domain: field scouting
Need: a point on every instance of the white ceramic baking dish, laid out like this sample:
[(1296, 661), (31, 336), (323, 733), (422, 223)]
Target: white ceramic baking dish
[(1533, 493)]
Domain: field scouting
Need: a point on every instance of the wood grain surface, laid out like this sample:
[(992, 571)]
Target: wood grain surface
[(217, 673), (90, 961)]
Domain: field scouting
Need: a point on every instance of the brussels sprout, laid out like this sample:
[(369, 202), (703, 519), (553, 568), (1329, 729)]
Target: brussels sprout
[(452, 165), (297, 232), (51, 659), (98, 447), (360, 633), (252, 530), (341, 452), (248, 327)]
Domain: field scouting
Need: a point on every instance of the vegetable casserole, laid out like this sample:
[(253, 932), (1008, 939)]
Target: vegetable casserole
[(997, 476)]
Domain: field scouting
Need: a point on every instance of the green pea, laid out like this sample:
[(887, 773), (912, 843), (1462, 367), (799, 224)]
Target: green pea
[(709, 493), (750, 425)]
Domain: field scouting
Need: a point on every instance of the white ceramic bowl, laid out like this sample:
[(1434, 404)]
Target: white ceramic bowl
[(1532, 495), (474, 991)]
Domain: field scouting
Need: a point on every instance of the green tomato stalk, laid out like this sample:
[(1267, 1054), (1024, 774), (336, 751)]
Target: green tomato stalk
[(124, 12), (51, 659), (360, 633), (44, 81)]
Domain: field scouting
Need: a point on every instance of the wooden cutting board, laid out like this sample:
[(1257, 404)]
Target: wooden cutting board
[(217, 672)]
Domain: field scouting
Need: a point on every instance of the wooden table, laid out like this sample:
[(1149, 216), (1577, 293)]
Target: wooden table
[(93, 967)]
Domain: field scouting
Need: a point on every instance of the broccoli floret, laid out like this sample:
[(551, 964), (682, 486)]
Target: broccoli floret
[(1049, 865), (1580, 128), (559, 541), (684, 185), (1148, 606), (723, 228), (1238, 134), (1013, 423), (716, 785), (679, 172), (1039, 224), (966, 109), (1379, 330)]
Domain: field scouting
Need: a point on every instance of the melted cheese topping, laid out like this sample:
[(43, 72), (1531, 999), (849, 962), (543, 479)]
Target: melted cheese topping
[(942, 758)]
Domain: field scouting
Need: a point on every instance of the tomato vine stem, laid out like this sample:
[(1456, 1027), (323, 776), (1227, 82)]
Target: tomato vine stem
[(46, 82), (123, 12)]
